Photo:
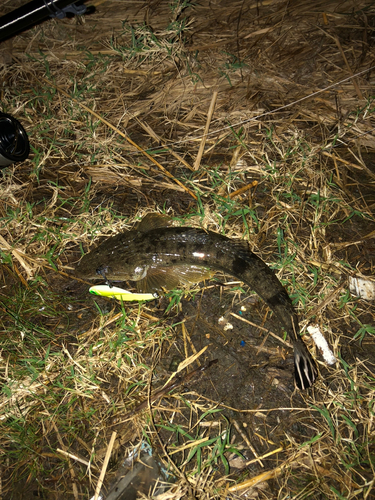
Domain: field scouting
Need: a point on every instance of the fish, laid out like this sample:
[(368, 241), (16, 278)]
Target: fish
[(157, 256)]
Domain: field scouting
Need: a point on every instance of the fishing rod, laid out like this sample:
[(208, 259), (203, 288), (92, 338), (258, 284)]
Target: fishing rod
[(14, 143), (35, 12)]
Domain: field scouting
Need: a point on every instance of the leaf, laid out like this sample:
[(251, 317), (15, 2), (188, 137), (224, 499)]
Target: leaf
[(325, 413)]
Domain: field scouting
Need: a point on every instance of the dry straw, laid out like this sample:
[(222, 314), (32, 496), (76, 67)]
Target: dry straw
[(250, 119)]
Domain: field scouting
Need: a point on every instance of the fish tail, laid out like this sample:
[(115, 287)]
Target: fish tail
[(305, 371)]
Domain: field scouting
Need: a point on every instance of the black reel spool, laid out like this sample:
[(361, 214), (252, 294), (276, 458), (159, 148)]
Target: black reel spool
[(14, 143)]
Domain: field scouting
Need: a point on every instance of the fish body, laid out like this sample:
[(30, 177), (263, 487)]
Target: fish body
[(172, 253)]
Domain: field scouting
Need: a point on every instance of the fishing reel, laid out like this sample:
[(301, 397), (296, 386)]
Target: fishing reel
[(14, 143)]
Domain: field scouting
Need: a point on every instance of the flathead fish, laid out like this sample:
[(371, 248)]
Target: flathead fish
[(157, 255)]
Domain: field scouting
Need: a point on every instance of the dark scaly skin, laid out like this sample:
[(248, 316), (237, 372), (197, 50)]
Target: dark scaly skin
[(127, 256)]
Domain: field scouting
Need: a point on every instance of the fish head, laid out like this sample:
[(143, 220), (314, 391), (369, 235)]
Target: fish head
[(115, 258)]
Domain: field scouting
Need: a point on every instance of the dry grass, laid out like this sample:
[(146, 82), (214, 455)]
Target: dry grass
[(115, 105)]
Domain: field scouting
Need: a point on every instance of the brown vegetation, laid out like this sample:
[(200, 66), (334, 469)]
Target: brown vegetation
[(117, 105)]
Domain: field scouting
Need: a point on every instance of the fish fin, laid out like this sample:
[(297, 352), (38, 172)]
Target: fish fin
[(170, 277), (190, 273), (305, 371), (156, 279), (154, 221)]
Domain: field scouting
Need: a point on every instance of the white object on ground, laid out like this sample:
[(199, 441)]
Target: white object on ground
[(322, 344), (361, 287)]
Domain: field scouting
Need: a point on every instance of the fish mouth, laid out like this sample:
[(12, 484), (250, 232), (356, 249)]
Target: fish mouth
[(103, 271)]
